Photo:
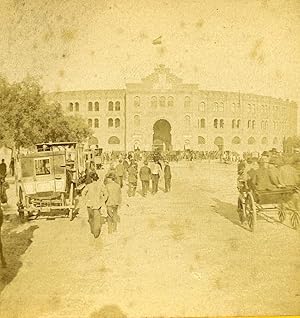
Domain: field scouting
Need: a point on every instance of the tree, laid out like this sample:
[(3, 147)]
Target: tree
[(27, 118)]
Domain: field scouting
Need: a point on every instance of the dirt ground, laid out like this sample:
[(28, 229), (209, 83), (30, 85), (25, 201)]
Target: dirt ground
[(181, 253)]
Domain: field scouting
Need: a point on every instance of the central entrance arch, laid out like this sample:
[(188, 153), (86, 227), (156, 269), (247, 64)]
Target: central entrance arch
[(162, 139)]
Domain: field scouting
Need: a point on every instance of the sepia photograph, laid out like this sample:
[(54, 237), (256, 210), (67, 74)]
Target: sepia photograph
[(150, 158)]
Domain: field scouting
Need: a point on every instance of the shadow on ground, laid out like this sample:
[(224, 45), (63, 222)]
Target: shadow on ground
[(108, 311), (14, 246)]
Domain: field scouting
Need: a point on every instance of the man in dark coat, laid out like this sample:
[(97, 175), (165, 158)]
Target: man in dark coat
[(145, 176), (120, 170), (2, 169), (167, 176), (132, 179)]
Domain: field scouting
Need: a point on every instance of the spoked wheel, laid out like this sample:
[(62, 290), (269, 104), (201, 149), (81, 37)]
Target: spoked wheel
[(295, 219), (250, 209), (241, 210), (281, 212)]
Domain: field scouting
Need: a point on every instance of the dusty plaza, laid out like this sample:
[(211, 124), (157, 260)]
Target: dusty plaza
[(181, 253)]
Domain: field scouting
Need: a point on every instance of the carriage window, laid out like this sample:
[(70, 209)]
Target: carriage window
[(42, 166)]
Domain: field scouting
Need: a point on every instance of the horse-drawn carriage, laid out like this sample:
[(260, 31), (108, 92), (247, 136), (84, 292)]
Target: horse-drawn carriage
[(48, 179), (280, 201)]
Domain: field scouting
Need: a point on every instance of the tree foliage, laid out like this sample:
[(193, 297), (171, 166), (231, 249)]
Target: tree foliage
[(27, 118)]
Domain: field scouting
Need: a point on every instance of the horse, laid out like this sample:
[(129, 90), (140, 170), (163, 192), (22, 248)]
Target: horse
[(2, 198)]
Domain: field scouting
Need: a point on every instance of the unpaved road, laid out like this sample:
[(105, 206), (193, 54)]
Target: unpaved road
[(181, 253)]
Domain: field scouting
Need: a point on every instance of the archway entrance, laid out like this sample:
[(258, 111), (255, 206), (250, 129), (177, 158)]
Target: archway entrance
[(162, 135), (219, 142)]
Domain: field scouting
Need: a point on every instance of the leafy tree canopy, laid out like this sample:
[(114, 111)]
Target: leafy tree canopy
[(27, 118)]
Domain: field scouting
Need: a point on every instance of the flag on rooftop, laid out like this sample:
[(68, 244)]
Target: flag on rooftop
[(157, 41)]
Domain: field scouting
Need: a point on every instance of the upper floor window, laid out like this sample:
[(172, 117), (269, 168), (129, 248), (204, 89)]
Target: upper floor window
[(236, 140), (221, 107), (77, 107), (201, 140), (117, 122), (202, 107), (187, 121), (153, 101), (90, 122), (117, 106), (249, 123), (71, 107), (221, 123), (137, 101), (215, 107), (110, 106), (202, 123), (136, 121), (264, 140), (96, 123), (216, 123), (90, 106), (253, 124), (170, 101), (238, 123), (97, 106), (187, 101), (233, 108), (233, 123), (114, 140), (162, 101), (110, 122)]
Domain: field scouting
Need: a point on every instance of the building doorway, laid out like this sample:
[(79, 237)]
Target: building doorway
[(162, 139)]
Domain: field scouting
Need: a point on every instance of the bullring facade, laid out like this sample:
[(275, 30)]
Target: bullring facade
[(163, 112)]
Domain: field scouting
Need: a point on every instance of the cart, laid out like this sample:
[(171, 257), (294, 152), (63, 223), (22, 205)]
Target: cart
[(251, 203), (48, 180)]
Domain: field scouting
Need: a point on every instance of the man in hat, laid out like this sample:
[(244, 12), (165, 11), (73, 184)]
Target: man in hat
[(120, 170), (274, 172), (132, 178), (156, 172), (167, 176), (261, 177), (113, 202), (145, 176)]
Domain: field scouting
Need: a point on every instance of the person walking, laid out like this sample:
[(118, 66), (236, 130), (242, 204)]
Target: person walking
[(155, 175), (167, 176), (12, 166), (145, 176), (132, 179), (96, 196), (3, 169), (112, 204), (120, 170)]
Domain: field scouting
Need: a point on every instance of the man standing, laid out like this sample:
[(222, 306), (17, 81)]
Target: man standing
[(167, 176), (145, 175), (2, 169), (96, 196), (12, 166), (132, 179), (156, 172), (112, 204), (120, 172)]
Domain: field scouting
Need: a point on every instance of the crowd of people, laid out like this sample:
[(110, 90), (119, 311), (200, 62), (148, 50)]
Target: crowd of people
[(104, 190)]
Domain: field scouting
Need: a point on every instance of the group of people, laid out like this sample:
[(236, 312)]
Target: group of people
[(105, 192)]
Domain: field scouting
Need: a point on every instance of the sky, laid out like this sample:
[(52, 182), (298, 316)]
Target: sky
[(231, 45)]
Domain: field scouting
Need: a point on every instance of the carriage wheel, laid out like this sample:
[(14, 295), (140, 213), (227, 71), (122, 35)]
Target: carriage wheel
[(281, 213), (250, 209), (295, 219), (241, 210)]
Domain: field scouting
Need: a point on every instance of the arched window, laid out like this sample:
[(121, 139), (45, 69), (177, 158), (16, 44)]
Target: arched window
[(90, 122), (110, 122), (117, 122), (90, 106), (136, 121), (233, 109), (137, 101), (187, 121), (221, 123), (238, 123), (233, 123), (71, 107), (202, 123), (187, 101), (221, 107), (249, 123), (216, 123), (153, 101), (97, 106), (77, 107), (201, 140), (264, 140), (275, 141), (110, 106), (251, 141), (113, 140), (249, 108), (96, 123), (162, 101), (216, 107), (236, 140), (117, 106), (253, 124), (202, 107), (170, 101)]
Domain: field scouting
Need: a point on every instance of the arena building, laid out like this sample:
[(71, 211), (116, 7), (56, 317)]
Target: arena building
[(161, 111)]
